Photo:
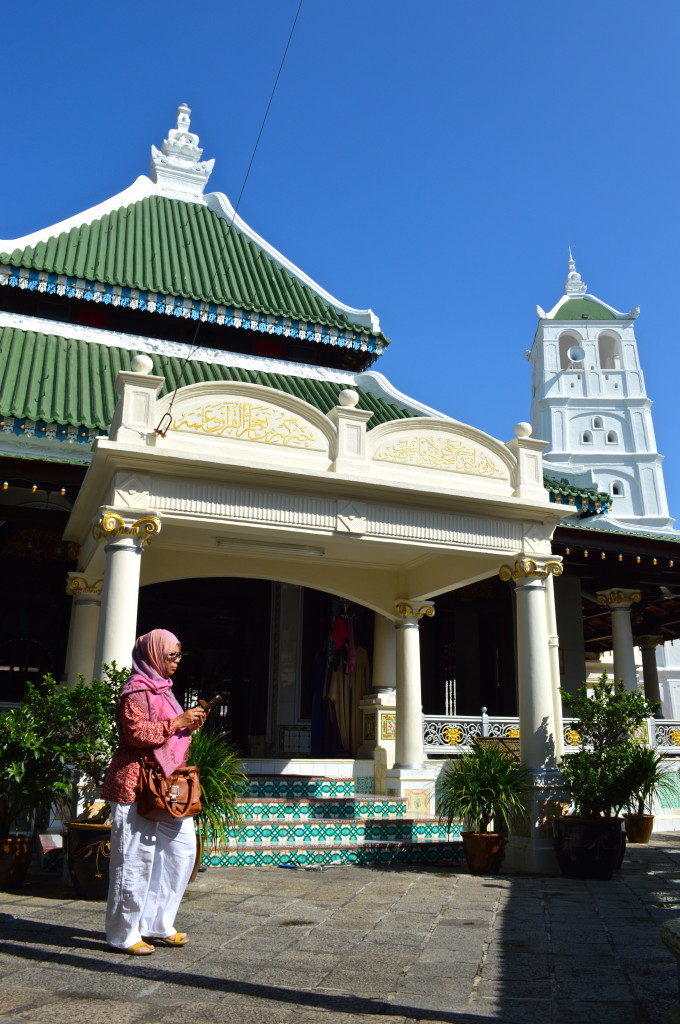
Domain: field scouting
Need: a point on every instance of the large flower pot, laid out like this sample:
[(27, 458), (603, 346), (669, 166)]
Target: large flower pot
[(88, 849), (639, 827), (483, 852), (588, 847), (15, 856)]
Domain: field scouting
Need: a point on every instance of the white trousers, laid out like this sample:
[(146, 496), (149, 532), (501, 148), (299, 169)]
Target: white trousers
[(149, 869)]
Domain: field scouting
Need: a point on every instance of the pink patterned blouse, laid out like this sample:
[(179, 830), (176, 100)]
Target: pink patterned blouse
[(138, 737)]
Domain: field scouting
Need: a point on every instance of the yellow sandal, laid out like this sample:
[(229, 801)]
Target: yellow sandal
[(138, 949), (178, 939)]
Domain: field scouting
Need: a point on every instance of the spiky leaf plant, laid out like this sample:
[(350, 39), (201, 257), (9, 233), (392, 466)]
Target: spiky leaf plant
[(223, 783), (485, 784)]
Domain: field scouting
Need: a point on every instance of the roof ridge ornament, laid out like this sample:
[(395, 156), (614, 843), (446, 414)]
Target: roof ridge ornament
[(177, 168), (574, 285)]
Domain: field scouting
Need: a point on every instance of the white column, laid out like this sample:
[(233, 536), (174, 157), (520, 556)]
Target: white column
[(410, 777), (650, 671), (534, 670), (619, 603), (120, 592), (86, 592), (409, 739), (554, 650), (530, 847)]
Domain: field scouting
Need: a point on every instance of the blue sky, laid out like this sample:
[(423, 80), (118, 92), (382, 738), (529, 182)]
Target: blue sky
[(431, 160)]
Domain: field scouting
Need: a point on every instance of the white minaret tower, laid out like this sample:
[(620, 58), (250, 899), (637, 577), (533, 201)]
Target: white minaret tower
[(589, 402)]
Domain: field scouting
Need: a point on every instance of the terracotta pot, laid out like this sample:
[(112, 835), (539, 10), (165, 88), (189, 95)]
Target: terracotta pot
[(483, 852), (639, 827), (15, 856), (88, 849), (588, 847)]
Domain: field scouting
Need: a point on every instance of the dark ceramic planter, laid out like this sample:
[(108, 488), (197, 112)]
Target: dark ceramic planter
[(588, 847), (483, 852), (88, 849), (15, 856)]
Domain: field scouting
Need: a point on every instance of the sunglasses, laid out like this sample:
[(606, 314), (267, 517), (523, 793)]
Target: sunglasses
[(174, 657)]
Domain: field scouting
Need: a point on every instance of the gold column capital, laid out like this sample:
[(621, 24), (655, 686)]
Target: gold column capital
[(78, 583), (112, 524), (650, 641), (617, 597), (538, 567), (415, 609)]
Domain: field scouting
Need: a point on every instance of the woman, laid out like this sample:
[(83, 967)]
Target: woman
[(150, 860)]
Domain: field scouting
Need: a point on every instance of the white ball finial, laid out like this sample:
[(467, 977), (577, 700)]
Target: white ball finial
[(348, 398), (141, 364), (522, 430)]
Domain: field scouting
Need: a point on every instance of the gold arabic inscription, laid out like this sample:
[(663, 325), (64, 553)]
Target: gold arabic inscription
[(449, 453), (249, 422)]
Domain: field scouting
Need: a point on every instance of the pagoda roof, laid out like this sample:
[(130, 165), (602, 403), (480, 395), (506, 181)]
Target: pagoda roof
[(577, 304), (173, 248), (48, 378)]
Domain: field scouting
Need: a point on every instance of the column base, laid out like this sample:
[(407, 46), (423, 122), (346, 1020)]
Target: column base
[(416, 785), (379, 726), (530, 845)]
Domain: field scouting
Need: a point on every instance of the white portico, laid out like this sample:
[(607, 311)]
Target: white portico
[(245, 481)]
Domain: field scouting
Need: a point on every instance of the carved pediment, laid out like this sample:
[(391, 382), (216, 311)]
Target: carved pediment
[(443, 451), (247, 412)]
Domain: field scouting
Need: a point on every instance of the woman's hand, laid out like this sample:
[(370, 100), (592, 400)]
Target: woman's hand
[(192, 719)]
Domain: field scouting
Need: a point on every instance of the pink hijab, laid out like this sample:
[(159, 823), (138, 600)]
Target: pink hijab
[(150, 687)]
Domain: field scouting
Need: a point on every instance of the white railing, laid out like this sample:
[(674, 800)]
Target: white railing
[(452, 734)]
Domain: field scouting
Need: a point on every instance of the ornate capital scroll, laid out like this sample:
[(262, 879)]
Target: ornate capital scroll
[(76, 584), (618, 598), (539, 568), (111, 524), (650, 642), (415, 609)]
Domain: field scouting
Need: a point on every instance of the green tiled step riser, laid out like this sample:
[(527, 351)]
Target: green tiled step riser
[(343, 832), (449, 853), (308, 810), (296, 788)]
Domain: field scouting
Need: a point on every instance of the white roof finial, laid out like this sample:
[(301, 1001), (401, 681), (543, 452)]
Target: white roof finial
[(574, 285), (176, 167)]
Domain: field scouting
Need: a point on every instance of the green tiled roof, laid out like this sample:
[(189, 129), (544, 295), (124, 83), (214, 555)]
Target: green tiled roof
[(586, 499), (169, 247), (574, 308), (613, 529), (67, 381)]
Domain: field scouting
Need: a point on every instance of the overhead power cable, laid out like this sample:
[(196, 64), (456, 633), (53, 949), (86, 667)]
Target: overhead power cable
[(164, 424)]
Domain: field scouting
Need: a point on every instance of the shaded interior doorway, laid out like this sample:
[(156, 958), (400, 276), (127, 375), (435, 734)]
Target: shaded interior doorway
[(224, 627), (468, 652)]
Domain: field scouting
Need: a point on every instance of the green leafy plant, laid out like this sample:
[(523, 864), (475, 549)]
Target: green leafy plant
[(223, 782), (599, 776), (485, 784), (81, 719), (33, 769), (648, 778)]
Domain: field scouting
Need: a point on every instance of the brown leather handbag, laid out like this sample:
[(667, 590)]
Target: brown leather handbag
[(161, 799)]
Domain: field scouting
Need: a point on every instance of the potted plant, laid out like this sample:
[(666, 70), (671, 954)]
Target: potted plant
[(82, 728), (223, 782), (486, 784), (86, 716), (33, 773), (649, 778), (598, 778)]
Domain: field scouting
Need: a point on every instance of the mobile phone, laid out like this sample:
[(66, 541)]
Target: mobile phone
[(208, 704)]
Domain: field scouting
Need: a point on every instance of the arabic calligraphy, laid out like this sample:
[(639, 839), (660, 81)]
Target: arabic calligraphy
[(250, 422), (441, 452)]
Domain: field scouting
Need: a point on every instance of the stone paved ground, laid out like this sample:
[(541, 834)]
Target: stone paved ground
[(351, 944)]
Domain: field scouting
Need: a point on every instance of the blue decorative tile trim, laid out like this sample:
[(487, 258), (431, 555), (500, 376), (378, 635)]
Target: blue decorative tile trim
[(171, 305)]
